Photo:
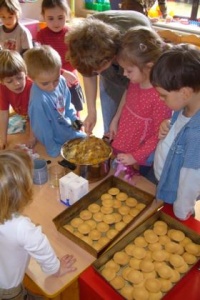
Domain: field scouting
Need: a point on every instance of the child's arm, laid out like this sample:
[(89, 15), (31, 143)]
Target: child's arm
[(187, 193), (66, 265), (115, 120), (70, 78), (4, 117), (31, 140)]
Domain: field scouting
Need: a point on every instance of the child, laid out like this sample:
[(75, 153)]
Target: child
[(55, 13), (52, 115), (14, 91), (19, 237), (135, 126), (177, 158), (13, 35)]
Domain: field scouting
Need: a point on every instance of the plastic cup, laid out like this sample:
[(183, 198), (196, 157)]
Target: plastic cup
[(55, 173), (40, 173)]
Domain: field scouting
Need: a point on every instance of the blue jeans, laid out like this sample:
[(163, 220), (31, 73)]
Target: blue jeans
[(108, 107)]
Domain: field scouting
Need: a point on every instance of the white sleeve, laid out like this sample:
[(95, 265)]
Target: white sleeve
[(38, 246), (188, 191)]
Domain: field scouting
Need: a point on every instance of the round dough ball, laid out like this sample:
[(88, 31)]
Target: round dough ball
[(127, 292), (190, 259), (135, 263), (95, 234), (135, 276), (185, 241), (106, 196), (155, 296), (159, 255), (112, 264), (124, 210), (91, 223), (172, 247), (134, 212), (140, 206), (155, 246), (98, 217), (129, 249), (164, 239), (175, 276), (87, 240), (139, 252), (113, 191), (121, 258), (127, 219), (121, 196), (109, 219), (164, 271), (192, 248), (69, 227), (118, 282), (140, 294), (94, 208), (166, 285), (150, 236), (108, 273), (103, 240), (85, 214), (160, 223), (183, 269), (102, 227), (76, 222), (117, 203), (152, 285), (84, 228), (176, 260), (146, 266), (97, 246), (119, 226), (131, 202), (151, 274), (117, 217), (107, 203), (125, 272), (160, 230), (106, 210), (177, 235), (140, 241), (111, 233)]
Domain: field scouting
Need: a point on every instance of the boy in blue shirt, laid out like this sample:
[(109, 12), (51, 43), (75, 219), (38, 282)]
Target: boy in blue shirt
[(52, 115), (177, 158)]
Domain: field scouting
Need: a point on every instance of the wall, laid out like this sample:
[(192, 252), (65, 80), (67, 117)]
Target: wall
[(32, 10)]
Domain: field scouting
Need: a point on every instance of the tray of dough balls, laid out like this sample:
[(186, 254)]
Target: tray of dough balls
[(101, 216), (151, 259)]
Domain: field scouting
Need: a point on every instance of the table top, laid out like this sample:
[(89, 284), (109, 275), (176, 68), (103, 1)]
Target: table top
[(46, 206)]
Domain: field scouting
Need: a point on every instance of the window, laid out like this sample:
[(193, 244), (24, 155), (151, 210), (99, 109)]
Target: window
[(189, 9)]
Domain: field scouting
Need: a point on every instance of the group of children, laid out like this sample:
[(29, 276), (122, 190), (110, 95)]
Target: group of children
[(160, 101), (16, 84)]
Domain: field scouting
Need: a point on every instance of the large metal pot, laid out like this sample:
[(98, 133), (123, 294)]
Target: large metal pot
[(93, 171)]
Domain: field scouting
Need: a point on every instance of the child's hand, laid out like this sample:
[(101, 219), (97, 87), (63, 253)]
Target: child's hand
[(126, 159), (70, 78), (66, 265), (164, 129), (2, 144), (31, 142)]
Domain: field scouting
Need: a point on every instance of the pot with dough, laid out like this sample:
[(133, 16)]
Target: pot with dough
[(87, 157)]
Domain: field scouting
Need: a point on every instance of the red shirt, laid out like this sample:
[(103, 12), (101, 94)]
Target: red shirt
[(19, 102), (57, 41)]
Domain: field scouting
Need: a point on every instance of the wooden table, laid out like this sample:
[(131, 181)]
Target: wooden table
[(42, 210)]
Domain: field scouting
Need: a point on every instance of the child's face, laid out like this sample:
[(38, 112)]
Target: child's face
[(9, 20), (133, 73), (55, 18), (16, 83), (47, 81), (175, 100)]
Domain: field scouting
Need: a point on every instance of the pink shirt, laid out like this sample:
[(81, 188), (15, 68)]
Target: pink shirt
[(139, 123)]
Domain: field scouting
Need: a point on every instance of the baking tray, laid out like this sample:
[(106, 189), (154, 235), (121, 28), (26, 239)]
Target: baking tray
[(94, 197), (172, 223)]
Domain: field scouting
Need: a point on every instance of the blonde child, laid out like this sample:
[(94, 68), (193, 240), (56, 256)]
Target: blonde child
[(134, 128), (20, 239), (55, 13), (14, 92), (177, 157), (52, 115), (13, 35)]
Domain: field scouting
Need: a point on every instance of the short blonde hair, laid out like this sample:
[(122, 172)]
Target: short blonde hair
[(11, 64), (16, 187), (13, 6), (41, 59)]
